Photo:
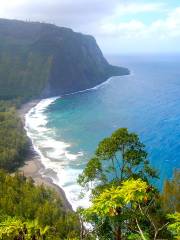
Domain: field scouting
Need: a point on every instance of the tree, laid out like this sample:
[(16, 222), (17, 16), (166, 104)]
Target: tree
[(132, 199), (111, 201), (13, 140), (21, 200), (117, 158)]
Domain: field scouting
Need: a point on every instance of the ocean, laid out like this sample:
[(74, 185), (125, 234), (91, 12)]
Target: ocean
[(66, 130)]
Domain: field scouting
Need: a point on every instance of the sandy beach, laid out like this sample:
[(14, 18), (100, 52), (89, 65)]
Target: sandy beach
[(33, 166)]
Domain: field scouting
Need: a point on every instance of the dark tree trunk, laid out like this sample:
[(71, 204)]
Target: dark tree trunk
[(118, 234)]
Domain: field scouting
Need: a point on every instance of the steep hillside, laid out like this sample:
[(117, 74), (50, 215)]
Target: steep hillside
[(43, 59)]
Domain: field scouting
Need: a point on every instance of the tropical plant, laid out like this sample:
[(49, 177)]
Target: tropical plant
[(131, 201), (15, 228), (174, 226)]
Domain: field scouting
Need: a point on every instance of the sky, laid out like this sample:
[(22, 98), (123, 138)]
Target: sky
[(119, 26)]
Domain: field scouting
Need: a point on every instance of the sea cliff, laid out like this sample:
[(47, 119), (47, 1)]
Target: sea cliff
[(38, 59)]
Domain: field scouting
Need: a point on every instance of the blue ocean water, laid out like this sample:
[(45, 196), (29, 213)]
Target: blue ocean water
[(67, 130)]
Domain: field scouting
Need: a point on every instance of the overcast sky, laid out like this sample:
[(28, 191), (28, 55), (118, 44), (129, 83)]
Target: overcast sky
[(120, 26)]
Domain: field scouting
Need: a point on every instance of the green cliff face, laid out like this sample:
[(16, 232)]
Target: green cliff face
[(43, 59)]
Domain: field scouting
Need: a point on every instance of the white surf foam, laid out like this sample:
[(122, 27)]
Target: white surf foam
[(54, 154), (100, 85)]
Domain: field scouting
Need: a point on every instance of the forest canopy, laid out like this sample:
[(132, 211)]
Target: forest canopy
[(13, 139), (22, 204)]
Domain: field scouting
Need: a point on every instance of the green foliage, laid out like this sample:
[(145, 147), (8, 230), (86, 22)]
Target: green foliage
[(24, 202), (9, 228), (111, 200), (130, 209), (13, 140), (136, 236), (130, 195), (174, 227), (117, 158), (124, 204), (23, 73), (14, 228)]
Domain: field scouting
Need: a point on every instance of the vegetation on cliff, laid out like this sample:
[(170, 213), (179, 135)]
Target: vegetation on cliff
[(27, 211), (13, 139), (35, 208), (43, 59)]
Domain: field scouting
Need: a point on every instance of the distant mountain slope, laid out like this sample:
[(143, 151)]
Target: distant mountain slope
[(43, 59)]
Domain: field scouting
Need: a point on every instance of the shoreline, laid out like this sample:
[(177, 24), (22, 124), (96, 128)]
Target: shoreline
[(33, 166)]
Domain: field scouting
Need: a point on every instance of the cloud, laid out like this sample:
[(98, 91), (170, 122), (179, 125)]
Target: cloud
[(114, 23), (167, 28), (61, 12), (73, 13), (135, 8), (124, 29)]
